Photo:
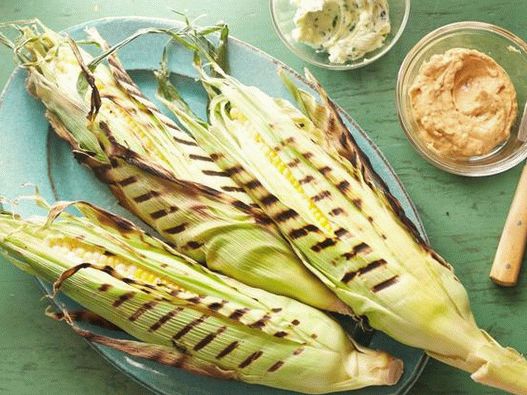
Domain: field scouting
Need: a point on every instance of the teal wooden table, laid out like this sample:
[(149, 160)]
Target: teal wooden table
[(463, 217)]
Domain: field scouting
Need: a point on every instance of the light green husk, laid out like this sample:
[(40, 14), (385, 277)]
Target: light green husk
[(321, 192), (186, 315), (156, 170)]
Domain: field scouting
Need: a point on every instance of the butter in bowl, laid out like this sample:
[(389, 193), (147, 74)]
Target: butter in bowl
[(340, 34), (460, 94)]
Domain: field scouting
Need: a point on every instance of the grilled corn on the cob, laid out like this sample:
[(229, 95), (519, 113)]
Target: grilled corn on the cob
[(187, 315), (158, 171), (310, 177)]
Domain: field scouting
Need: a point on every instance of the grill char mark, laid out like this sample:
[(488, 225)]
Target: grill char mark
[(253, 184), (250, 359), (176, 229), (326, 243), (127, 181), (186, 329), (261, 322), (343, 186), (304, 231), (123, 298), (143, 309), (336, 211), (368, 268), (227, 350), (322, 195), (275, 366), (238, 313), (372, 266), (306, 180), (201, 158), (215, 173), (325, 170), (357, 203), (163, 212), (158, 214), (215, 306), (341, 232), (104, 287), (285, 215), (234, 171), (209, 338), (193, 245), (361, 248), (229, 188), (146, 196), (288, 141), (295, 162), (298, 351), (385, 284), (195, 299), (163, 320), (269, 199), (240, 205), (348, 277)]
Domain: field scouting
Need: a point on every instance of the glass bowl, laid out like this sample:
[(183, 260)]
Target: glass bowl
[(282, 12), (508, 50)]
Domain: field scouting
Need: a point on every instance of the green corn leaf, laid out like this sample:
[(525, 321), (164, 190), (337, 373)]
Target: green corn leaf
[(312, 180), (158, 172), (184, 313)]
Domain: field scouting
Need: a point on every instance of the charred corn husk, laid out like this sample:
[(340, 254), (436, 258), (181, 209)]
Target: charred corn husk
[(310, 177), (187, 315), (157, 171)]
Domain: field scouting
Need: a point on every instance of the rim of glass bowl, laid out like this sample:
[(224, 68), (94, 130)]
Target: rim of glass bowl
[(470, 170), (361, 63)]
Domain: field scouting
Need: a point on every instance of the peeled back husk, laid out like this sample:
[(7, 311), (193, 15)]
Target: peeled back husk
[(158, 172), (183, 314), (308, 175)]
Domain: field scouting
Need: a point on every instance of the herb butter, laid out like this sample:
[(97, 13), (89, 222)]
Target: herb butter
[(345, 29)]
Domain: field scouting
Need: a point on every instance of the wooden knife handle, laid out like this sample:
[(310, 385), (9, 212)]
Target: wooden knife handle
[(509, 256)]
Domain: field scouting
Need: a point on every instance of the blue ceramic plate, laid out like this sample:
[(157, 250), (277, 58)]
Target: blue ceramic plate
[(51, 166)]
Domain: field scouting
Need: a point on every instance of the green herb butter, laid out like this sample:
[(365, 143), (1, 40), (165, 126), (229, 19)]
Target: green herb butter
[(345, 29)]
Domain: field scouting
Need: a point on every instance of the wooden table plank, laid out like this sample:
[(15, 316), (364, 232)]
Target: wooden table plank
[(463, 217)]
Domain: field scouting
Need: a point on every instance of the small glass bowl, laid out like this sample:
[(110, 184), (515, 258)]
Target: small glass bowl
[(508, 50), (282, 13)]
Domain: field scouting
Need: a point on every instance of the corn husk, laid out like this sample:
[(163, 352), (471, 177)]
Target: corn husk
[(310, 177), (183, 314), (157, 171)]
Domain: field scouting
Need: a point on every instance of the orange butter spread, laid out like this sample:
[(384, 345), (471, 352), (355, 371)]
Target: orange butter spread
[(464, 103)]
